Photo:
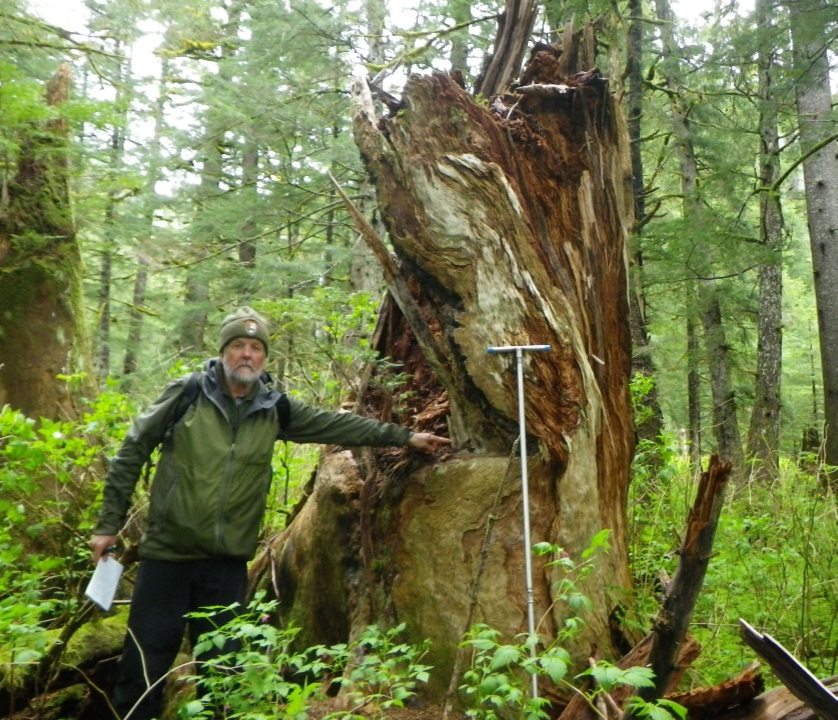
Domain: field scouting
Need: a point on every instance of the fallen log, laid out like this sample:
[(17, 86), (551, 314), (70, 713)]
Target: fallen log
[(797, 678), (777, 704)]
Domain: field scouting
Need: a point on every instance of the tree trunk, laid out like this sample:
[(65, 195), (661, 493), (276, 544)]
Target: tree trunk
[(820, 175), (204, 237), (717, 349), (509, 224), (364, 271), (693, 391), (130, 362), (725, 422), (247, 245), (764, 431), (651, 426), (151, 202), (42, 332), (515, 24)]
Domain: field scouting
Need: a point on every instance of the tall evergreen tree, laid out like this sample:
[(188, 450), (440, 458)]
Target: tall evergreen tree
[(717, 348), (810, 21), (764, 429)]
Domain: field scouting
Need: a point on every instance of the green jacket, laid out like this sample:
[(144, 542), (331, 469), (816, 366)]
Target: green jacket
[(211, 484)]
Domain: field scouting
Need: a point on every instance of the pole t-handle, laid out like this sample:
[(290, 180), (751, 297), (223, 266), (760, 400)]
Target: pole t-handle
[(514, 348)]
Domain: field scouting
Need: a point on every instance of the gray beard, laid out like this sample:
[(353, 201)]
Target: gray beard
[(237, 377)]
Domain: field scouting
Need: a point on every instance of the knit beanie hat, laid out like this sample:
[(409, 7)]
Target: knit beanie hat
[(245, 322)]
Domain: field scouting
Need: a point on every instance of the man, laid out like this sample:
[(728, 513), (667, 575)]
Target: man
[(208, 496)]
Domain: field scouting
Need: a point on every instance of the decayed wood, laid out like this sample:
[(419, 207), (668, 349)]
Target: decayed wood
[(797, 678), (508, 228), (514, 26), (708, 702), (776, 704)]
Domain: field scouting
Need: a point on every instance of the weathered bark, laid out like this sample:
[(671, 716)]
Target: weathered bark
[(820, 175), (509, 225), (764, 430), (709, 702), (42, 331), (776, 704)]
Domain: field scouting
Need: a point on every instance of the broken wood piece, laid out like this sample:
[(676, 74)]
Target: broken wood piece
[(708, 702), (795, 676), (776, 704)]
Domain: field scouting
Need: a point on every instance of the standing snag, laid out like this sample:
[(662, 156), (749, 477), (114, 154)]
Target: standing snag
[(509, 222)]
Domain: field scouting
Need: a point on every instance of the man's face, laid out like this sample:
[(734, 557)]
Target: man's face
[(242, 359)]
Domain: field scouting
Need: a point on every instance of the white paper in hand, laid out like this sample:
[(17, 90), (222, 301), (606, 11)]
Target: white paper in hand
[(102, 586)]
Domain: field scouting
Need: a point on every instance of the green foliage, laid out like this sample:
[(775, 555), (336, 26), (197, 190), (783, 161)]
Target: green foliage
[(49, 479), (323, 341), (661, 709), (497, 683), (256, 679), (608, 676), (255, 673), (641, 387), (384, 672)]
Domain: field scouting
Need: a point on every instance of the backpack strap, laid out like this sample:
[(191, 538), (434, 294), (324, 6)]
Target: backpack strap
[(283, 408), (185, 400)]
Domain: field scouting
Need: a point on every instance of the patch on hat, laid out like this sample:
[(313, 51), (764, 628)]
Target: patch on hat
[(250, 327)]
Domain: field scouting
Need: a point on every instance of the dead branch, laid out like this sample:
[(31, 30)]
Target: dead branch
[(673, 619)]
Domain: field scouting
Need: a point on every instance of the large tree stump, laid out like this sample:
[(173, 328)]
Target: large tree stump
[(509, 222)]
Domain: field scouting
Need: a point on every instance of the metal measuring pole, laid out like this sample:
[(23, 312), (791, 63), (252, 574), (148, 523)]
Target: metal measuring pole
[(519, 351)]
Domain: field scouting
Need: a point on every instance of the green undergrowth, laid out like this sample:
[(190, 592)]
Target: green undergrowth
[(774, 563)]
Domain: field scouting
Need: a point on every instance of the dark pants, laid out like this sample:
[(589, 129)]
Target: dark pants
[(165, 592)]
